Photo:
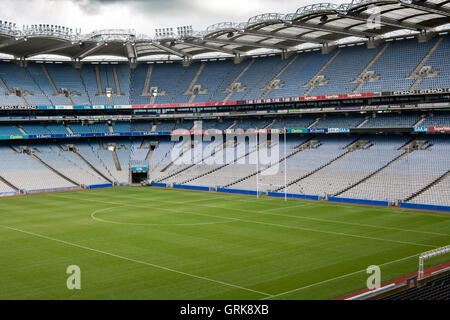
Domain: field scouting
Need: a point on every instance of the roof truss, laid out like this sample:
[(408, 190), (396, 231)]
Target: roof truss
[(89, 50), (171, 50), (386, 21), (199, 44), (321, 27), (425, 6), (51, 49), (11, 41), (279, 36), (131, 51), (246, 44)]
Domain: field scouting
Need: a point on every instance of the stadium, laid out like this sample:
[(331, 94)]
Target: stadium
[(284, 157)]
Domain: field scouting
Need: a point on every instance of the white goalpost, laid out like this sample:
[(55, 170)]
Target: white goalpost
[(258, 184), (431, 254)]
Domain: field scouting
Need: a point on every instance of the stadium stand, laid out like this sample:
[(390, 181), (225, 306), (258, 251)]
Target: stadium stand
[(27, 173), (367, 118), (322, 165), (437, 289), (380, 120), (35, 129), (395, 66)]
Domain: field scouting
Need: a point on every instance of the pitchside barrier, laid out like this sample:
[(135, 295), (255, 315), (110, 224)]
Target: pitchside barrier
[(100, 186), (293, 196), (51, 190), (188, 187), (159, 184), (416, 206), (8, 194), (304, 197), (359, 201), (424, 207), (239, 191)]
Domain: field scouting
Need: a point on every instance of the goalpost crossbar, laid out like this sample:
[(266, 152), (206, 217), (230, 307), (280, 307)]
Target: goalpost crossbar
[(431, 254)]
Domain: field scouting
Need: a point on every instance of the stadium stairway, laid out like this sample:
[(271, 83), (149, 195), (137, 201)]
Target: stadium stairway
[(116, 160), (143, 144), (224, 165), (21, 129), (189, 89), (230, 89), (68, 128), (192, 165), (366, 119), (314, 123), (45, 94), (310, 82), (9, 184), (421, 120), (403, 155), (303, 146), (49, 79), (116, 80), (148, 76), (83, 82), (99, 82), (360, 77), (35, 157), (149, 154), (435, 182), (408, 147), (5, 87), (173, 174), (91, 166), (186, 149), (416, 73), (350, 148), (269, 86)]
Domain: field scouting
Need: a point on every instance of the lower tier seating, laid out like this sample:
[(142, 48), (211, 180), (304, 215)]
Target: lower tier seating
[(406, 168)]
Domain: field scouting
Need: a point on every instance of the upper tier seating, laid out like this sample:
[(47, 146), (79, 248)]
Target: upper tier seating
[(385, 120), (392, 70)]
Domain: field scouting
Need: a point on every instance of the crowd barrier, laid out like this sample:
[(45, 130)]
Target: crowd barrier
[(377, 203), (292, 196), (238, 191), (188, 187), (48, 190), (359, 201), (100, 186), (430, 207), (8, 194), (159, 184)]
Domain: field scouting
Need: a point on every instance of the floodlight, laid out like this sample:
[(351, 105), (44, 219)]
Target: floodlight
[(324, 18)]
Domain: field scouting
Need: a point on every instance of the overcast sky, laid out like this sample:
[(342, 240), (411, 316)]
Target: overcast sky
[(142, 15)]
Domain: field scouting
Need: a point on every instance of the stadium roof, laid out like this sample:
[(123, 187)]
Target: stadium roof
[(322, 24)]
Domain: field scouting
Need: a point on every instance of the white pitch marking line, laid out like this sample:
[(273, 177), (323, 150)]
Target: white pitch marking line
[(301, 217), (349, 223), (145, 207), (279, 208), (262, 223), (93, 216), (178, 202), (335, 278), (264, 212), (134, 260)]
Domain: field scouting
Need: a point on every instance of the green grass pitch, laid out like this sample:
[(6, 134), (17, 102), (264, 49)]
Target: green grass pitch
[(152, 243)]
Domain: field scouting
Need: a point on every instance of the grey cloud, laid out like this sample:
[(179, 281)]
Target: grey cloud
[(161, 6), (143, 15)]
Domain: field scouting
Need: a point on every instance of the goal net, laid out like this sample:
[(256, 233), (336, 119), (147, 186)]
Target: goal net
[(433, 258)]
